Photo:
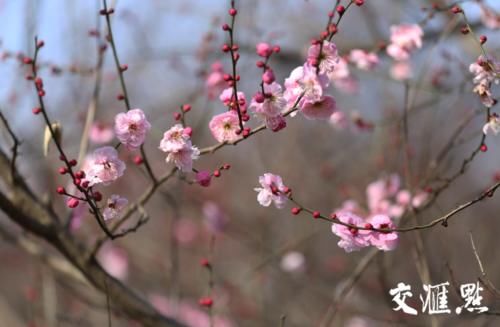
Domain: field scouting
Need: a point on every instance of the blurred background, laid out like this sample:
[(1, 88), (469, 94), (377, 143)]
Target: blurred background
[(267, 263)]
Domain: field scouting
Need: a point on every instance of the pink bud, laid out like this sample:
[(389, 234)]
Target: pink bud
[(72, 203), (259, 97), (264, 49), (268, 76), (203, 178)]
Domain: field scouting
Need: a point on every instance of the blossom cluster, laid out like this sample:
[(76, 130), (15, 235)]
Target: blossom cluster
[(176, 142), (358, 227), (405, 39), (486, 71)]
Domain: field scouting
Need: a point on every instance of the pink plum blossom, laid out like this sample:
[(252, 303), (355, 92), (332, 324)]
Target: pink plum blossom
[(339, 120), (177, 144), (215, 219), (101, 133), (114, 260), (274, 102), (304, 81), (383, 241), (131, 128), (104, 166), (214, 82), (174, 139), (381, 190), (224, 126), (419, 199), (493, 125), (363, 60), (183, 158), (271, 191), (401, 70), (351, 239), (404, 39), (485, 70), (328, 58), (322, 109), (271, 109), (114, 206), (227, 97), (276, 123), (342, 78), (403, 197), (185, 231)]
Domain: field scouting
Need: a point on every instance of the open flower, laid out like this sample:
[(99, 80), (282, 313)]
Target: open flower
[(383, 241), (104, 166), (114, 206), (304, 81), (176, 142), (174, 139), (322, 109), (271, 109), (272, 191), (131, 128), (493, 125), (227, 97), (184, 157), (327, 59), (224, 126), (351, 239)]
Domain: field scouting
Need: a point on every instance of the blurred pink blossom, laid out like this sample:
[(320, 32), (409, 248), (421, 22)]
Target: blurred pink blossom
[(364, 60), (489, 17), (322, 109), (215, 83), (114, 260), (404, 39), (185, 231), (101, 133), (401, 70), (215, 219), (493, 125), (293, 262)]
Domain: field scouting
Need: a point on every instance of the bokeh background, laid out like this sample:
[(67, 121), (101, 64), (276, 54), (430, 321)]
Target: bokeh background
[(267, 263)]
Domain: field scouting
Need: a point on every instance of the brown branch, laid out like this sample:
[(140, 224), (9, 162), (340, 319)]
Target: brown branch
[(14, 147), (34, 218)]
